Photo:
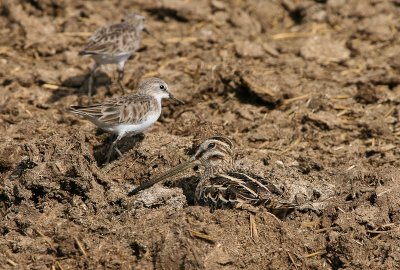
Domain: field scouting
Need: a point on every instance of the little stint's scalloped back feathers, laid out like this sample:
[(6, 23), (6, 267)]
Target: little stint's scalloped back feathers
[(128, 115)]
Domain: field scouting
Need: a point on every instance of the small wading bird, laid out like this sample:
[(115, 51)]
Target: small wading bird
[(128, 115), (114, 44), (222, 186)]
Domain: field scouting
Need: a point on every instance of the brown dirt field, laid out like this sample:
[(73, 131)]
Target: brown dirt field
[(309, 91)]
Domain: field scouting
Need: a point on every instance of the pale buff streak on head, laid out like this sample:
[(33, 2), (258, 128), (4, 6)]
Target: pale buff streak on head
[(216, 155)]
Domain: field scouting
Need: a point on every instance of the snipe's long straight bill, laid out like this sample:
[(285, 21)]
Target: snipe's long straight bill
[(177, 100), (175, 170)]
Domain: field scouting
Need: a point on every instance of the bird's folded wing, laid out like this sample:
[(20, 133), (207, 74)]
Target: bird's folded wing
[(103, 40), (93, 48), (130, 110), (239, 187), (228, 189)]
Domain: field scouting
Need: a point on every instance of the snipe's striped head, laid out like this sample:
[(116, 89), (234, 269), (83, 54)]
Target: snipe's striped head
[(216, 154)]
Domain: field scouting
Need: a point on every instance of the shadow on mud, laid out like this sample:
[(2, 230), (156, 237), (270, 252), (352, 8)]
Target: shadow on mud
[(124, 145), (78, 85)]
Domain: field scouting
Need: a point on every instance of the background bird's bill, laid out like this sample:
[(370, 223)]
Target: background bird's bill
[(175, 170), (151, 35)]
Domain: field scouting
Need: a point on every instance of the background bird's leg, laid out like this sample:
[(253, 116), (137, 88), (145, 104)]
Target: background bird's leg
[(120, 70), (113, 146), (90, 80)]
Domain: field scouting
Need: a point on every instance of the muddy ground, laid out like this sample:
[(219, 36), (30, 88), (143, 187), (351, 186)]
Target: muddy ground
[(308, 91)]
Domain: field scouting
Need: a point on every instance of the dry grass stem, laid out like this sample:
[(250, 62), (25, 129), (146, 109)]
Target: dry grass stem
[(253, 227), (318, 253), (80, 246), (202, 236)]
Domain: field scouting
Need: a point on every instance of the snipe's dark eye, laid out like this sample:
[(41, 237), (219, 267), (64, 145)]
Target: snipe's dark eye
[(162, 87), (211, 145)]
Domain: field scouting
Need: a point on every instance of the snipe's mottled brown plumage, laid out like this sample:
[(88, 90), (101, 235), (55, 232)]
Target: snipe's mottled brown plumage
[(222, 185)]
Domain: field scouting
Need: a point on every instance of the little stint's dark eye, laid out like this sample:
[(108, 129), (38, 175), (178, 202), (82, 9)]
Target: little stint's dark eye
[(211, 145), (162, 87)]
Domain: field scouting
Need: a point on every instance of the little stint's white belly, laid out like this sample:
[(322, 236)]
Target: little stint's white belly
[(132, 129)]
